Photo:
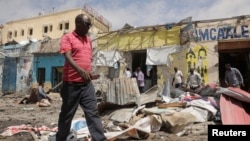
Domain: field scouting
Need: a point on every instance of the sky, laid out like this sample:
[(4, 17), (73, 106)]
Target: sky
[(134, 12)]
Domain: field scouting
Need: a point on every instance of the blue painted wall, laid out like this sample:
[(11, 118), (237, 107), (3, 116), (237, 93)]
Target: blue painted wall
[(46, 61), (9, 75)]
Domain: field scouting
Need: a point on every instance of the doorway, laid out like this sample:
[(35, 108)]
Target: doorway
[(40, 74), (239, 60), (56, 77), (9, 75), (139, 60), (149, 71)]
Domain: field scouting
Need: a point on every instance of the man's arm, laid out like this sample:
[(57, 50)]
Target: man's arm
[(199, 79), (182, 78), (173, 81), (225, 79), (41, 92), (188, 79), (240, 77)]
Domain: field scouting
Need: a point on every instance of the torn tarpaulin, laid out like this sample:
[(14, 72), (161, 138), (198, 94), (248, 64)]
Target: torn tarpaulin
[(11, 130)]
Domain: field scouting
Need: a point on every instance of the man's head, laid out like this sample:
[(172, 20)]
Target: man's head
[(175, 69), (138, 69), (83, 24), (41, 83), (191, 70), (228, 66)]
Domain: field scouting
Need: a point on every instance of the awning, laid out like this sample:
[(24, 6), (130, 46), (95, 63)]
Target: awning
[(236, 45)]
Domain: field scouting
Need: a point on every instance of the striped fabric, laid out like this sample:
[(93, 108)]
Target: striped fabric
[(11, 130)]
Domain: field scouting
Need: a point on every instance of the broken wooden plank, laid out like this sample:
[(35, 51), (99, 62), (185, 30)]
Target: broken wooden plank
[(174, 104)]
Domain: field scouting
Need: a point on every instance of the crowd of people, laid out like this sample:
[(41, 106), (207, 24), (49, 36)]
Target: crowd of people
[(233, 78)]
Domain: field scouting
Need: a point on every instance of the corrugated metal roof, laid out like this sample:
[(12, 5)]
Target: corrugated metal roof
[(48, 46), (234, 105), (122, 91)]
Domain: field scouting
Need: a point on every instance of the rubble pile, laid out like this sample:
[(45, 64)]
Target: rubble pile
[(157, 114)]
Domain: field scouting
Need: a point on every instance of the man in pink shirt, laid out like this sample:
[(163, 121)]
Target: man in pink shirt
[(77, 87)]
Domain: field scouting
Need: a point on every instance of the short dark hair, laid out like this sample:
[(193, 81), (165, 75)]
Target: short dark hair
[(228, 64), (41, 82), (79, 18)]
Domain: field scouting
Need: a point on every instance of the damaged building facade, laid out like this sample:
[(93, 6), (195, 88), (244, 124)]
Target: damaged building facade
[(224, 41), (30, 48), (205, 45), (145, 47), (25, 65), (16, 67)]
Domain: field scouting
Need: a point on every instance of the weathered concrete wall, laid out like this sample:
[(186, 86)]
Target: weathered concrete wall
[(210, 32), (23, 65)]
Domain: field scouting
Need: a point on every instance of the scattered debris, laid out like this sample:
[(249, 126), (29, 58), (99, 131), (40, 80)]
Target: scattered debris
[(179, 112)]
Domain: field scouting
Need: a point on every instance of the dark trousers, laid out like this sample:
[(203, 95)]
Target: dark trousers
[(194, 87), (141, 89), (73, 95), (177, 85)]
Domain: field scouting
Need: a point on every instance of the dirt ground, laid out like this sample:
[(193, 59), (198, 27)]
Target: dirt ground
[(12, 113)]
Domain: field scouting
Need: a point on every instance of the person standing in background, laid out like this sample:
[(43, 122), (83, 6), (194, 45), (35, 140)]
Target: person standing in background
[(128, 72), (233, 77), (178, 78), (194, 80), (140, 79)]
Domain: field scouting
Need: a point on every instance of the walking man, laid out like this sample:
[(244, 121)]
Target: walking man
[(77, 86)]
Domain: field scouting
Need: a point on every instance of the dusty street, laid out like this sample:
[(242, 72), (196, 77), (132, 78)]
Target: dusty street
[(14, 114)]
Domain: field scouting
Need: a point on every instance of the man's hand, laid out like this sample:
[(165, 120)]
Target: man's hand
[(49, 91), (94, 76), (85, 75), (242, 84), (227, 84)]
